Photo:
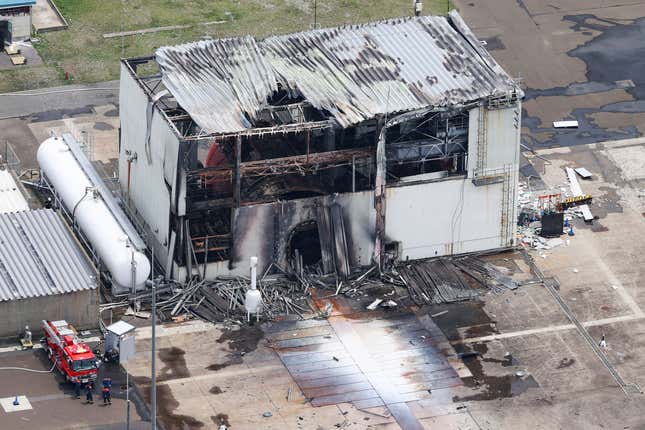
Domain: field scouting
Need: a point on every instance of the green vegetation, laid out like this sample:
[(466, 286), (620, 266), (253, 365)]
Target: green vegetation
[(82, 52)]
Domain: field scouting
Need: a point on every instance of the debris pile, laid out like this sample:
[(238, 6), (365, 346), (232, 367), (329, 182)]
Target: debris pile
[(539, 209), (284, 294), (451, 280)]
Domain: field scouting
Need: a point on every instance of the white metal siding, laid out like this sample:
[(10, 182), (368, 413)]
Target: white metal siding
[(148, 190), (443, 218)]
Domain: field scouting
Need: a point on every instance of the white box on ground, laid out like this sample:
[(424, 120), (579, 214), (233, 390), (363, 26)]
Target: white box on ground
[(584, 173), (8, 406), (565, 124)]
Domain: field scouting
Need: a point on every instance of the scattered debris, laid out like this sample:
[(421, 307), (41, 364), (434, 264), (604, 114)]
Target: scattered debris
[(447, 280), (374, 304), (438, 314), (521, 373), (576, 190)]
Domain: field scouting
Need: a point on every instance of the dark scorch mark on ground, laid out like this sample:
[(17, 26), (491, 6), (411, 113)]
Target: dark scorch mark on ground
[(56, 114), (175, 364), (617, 54), (240, 342), (166, 405), (102, 126), (492, 387), (566, 362), (494, 44), (220, 419), (615, 59)]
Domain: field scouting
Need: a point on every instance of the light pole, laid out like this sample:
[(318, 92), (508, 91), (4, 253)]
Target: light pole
[(153, 395)]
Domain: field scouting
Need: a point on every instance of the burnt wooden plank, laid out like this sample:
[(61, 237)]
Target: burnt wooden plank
[(278, 326), (313, 357), (333, 381), (400, 346), (368, 403), (331, 390), (411, 352), (390, 367), (318, 365), (385, 321), (304, 341), (306, 349), (326, 373), (343, 398), (300, 333)]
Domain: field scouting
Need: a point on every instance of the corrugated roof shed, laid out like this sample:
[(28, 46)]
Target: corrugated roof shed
[(39, 257), (355, 72), (11, 198)]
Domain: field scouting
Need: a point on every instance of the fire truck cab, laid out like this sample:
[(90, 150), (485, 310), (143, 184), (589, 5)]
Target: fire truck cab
[(73, 359)]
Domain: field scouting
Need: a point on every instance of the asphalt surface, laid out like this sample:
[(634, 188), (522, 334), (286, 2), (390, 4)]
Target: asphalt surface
[(577, 60), (58, 101), (52, 398)]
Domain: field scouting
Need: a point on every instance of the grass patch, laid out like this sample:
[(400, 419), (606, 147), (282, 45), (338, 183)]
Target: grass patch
[(82, 53)]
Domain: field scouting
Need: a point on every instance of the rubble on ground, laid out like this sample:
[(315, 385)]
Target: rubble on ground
[(288, 295)]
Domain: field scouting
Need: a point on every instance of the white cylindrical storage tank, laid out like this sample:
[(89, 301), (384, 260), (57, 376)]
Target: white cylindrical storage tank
[(93, 216)]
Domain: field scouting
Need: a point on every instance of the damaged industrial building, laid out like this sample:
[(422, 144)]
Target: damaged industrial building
[(328, 149)]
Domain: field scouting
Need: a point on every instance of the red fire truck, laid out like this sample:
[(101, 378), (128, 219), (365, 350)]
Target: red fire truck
[(73, 359)]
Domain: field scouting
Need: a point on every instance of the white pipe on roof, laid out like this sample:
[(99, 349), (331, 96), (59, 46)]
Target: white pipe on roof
[(93, 216)]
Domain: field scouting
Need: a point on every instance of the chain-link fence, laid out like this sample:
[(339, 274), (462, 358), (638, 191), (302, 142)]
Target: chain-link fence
[(9, 159)]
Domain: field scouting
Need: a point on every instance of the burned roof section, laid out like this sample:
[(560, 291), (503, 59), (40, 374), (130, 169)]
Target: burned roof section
[(353, 73)]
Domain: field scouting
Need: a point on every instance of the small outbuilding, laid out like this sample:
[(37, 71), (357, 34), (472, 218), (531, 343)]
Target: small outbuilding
[(15, 21), (44, 274)]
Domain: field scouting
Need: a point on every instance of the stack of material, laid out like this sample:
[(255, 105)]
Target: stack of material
[(453, 280)]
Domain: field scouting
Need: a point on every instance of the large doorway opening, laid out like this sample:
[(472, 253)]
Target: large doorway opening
[(5, 34), (303, 250)]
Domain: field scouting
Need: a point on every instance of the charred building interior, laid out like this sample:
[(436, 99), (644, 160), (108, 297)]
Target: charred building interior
[(333, 148)]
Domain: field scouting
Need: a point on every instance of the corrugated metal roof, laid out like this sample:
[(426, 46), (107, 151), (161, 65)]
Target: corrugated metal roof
[(11, 198), (355, 72), (16, 3), (39, 257)]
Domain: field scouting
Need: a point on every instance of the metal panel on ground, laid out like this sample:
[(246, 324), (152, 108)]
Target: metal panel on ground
[(369, 362)]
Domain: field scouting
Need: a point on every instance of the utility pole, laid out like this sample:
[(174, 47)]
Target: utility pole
[(133, 278), (315, 14), (153, 395)]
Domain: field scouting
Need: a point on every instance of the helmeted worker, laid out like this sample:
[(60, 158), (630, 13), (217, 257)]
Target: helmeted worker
[(89, 387), (107, 390)]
